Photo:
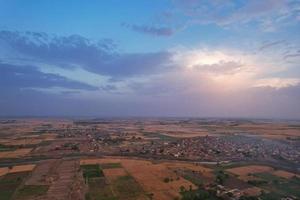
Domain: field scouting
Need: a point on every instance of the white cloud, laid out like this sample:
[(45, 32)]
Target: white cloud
[(277, 82), (268, 14)]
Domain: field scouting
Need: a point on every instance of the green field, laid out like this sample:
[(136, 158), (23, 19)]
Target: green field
[(91, 171), (9, 183), (280, 186), (159, 135), (99, 190), (199, 194), (192, 178), (6, 148), (111, 165), (127, 188), (30, 191), (123, 188)]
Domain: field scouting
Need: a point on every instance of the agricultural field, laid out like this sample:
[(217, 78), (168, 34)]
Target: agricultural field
[(9, 184), (156, 180), (15, 153), (113, 182), (13, 178), (270, 180), (148, 159)]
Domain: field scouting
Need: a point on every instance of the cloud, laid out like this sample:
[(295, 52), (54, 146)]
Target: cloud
[(271, 44), (150, 30), (137, 64), (277, 82), (268, 15), (76, 51), (179, 81), (295, 55), (64, 51), (221, 67), (14, 77)]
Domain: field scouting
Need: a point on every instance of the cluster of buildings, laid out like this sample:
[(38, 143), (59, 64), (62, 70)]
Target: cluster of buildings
[(207, 148), (223, 148)]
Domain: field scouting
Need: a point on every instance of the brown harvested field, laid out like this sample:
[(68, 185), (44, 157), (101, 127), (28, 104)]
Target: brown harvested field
[(151, 176), (5, 141), (93, 161), (15, 154), (235, 183), (186, 165), (3, 171), (22, 168), (40, 173), (113, 173), (285, 174), (252, 191), (186, 134), (262, 129), (28, 139), (270, 130), (205, 173), (15, 169), (246, 178), (245, 170), (178, 131), (48, 135), (24, 141), (62, 186)]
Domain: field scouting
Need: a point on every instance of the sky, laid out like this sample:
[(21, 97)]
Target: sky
[(169, 58)]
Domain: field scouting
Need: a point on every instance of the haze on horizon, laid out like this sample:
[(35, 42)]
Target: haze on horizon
[(197, 58)]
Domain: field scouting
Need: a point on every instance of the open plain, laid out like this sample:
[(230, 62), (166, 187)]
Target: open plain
[(144, 159)]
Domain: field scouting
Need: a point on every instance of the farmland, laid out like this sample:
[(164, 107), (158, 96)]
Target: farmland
[(148, 159)]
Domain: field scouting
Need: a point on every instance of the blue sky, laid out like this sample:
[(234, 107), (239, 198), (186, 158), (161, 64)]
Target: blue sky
[(198, 58)]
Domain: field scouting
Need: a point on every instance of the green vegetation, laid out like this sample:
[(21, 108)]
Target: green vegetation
[(270, 196), (159, 135), (248, 198), (30, 191), (188, 175), (296, 126), (264, 196), (111, 165), (269, 177), (293, 138), (91, 171), (9, 183), (257, 182), (221, 176), (199, 194), (124, 187), (166, 180), (279, 186), (6, 148), (99, 190), (127, 188), (72, 146)]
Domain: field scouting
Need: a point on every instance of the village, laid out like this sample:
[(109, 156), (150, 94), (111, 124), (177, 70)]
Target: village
[(232, 148)]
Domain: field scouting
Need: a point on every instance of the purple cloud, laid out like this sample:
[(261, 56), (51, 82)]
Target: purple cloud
[(151, 30), (14, 77), (97, 57), (271, 44)]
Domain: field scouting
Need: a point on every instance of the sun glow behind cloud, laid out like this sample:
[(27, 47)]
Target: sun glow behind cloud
[(231, 70)]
